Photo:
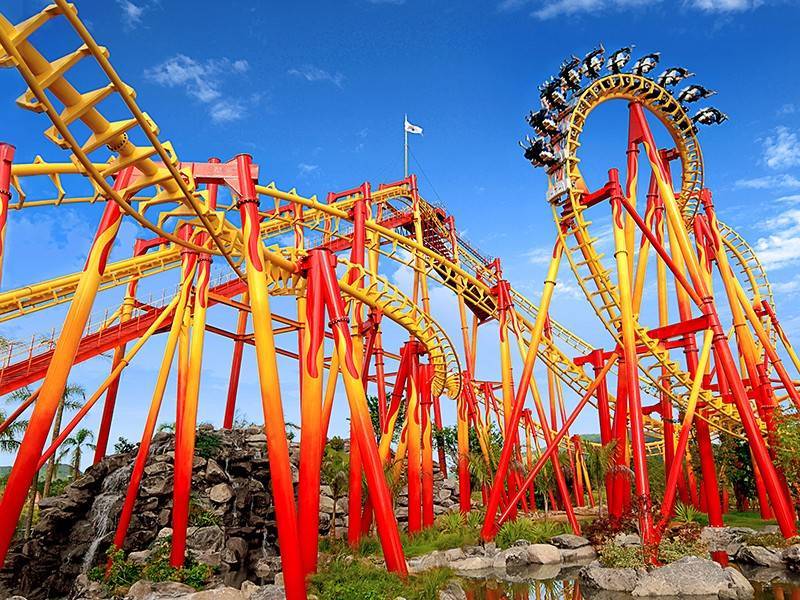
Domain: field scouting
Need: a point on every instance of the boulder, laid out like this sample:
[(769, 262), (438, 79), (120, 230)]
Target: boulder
[(573, 556), (223, 593), (544, 554), (512, 558), (147, 590), (220, 493), (723, 539), (453, 591), (269, 592), (596, 577), (569, 540), (689, 576), (739, 588), (758, 555), (454, 554), (627, 539), (791, 556), (472, 563), (205, 539), (214, 473)]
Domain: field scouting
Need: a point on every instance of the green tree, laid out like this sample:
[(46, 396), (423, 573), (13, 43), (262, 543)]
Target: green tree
[(69, 401), (788, 458), (82, 439), (736, 468), (599, 460), (335, 473), (10, 440)]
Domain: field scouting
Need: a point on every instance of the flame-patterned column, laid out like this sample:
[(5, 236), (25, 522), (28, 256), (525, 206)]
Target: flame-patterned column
[(30, 449)]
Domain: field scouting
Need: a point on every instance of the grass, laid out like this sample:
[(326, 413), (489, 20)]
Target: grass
[(740, 519), (533, 532), (341, 578)]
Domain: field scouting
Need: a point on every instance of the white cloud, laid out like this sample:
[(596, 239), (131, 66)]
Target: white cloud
[(305, 169), (548, 9), (787, 109), (784, 182), (131, 13), (791, 198), (539, 256), (203, 81), (725, 5), (790, 287), (782, 150), (782, 246), (315, 74)]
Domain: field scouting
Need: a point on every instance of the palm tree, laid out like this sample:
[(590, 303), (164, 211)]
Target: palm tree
[(599, 462), (68, 401), (9, 442), (336, 474), (82, 439)]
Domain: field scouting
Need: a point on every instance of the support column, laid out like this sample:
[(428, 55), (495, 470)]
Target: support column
[(30, 449), (426, 373), (266, 360), (6, 156)]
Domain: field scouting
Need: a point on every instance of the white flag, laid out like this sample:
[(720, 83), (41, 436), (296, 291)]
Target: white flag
[(413, 128)]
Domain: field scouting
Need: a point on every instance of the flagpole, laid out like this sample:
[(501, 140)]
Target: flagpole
[(405, 146)]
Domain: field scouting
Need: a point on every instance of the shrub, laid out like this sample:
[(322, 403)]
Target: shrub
[(122, 573), (341, 578), (675, 549), (685, 513), (770, 540), (526, 529), (614, 556), (603, 529), (450, 522), (206, 444)]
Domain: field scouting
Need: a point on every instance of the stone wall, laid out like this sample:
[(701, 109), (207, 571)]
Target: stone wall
[(232, 514)]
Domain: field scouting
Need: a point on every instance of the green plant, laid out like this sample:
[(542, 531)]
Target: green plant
[(450, 522), (122, 573), (200, 516), (526, 529), (685, 513), (342, 578), (677, 548), (787, 436), (619, 557), (475, 518), (770, 540), (82, 438), (207, 444), (335, 473), (123, 446), (599, 461)]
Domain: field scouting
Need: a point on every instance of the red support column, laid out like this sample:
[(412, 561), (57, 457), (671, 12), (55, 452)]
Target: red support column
[(426, 373), (6, 156), (236, 367), (413, 440)]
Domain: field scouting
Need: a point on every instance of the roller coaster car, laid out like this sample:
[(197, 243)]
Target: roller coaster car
[(646, 64), (673, 76), (541, 122), (618, 60), (570, 73), (593, 63), (693, 93)]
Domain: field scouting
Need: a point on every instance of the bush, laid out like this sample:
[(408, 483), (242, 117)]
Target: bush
[(122, 573), (686, 513), (206, 444), (340, 578), (617, 557), (603, 529), (770, 540), (450, 522), (526, 529), (675, 549)]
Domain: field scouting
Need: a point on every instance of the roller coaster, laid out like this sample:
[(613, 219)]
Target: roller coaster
[(667, 343)]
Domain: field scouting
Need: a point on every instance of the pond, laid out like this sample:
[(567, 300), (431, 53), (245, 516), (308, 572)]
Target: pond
[(565, 586)]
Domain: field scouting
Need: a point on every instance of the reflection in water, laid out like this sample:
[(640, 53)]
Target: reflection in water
[(545, 589), (569, 589)]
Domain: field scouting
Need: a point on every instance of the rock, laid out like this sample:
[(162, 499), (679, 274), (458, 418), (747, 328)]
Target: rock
[(453, 591), (739, 588), (147, 590), (248, 589), (24, 598), (326, 505), (225, 593), (433, 560), (723, 539), (220, 493), (596, 577), (472, 563), (689, 576), (757, 555), (214, 473), (791, 556), (512, 558), (569, 540), (140, 557), (627, 539), (578, 555), (544, 554), (270, 592), (279, 579), (205, 539), (454, 554)]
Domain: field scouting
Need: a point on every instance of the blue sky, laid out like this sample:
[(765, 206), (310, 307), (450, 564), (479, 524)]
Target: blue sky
[(316, 91)]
